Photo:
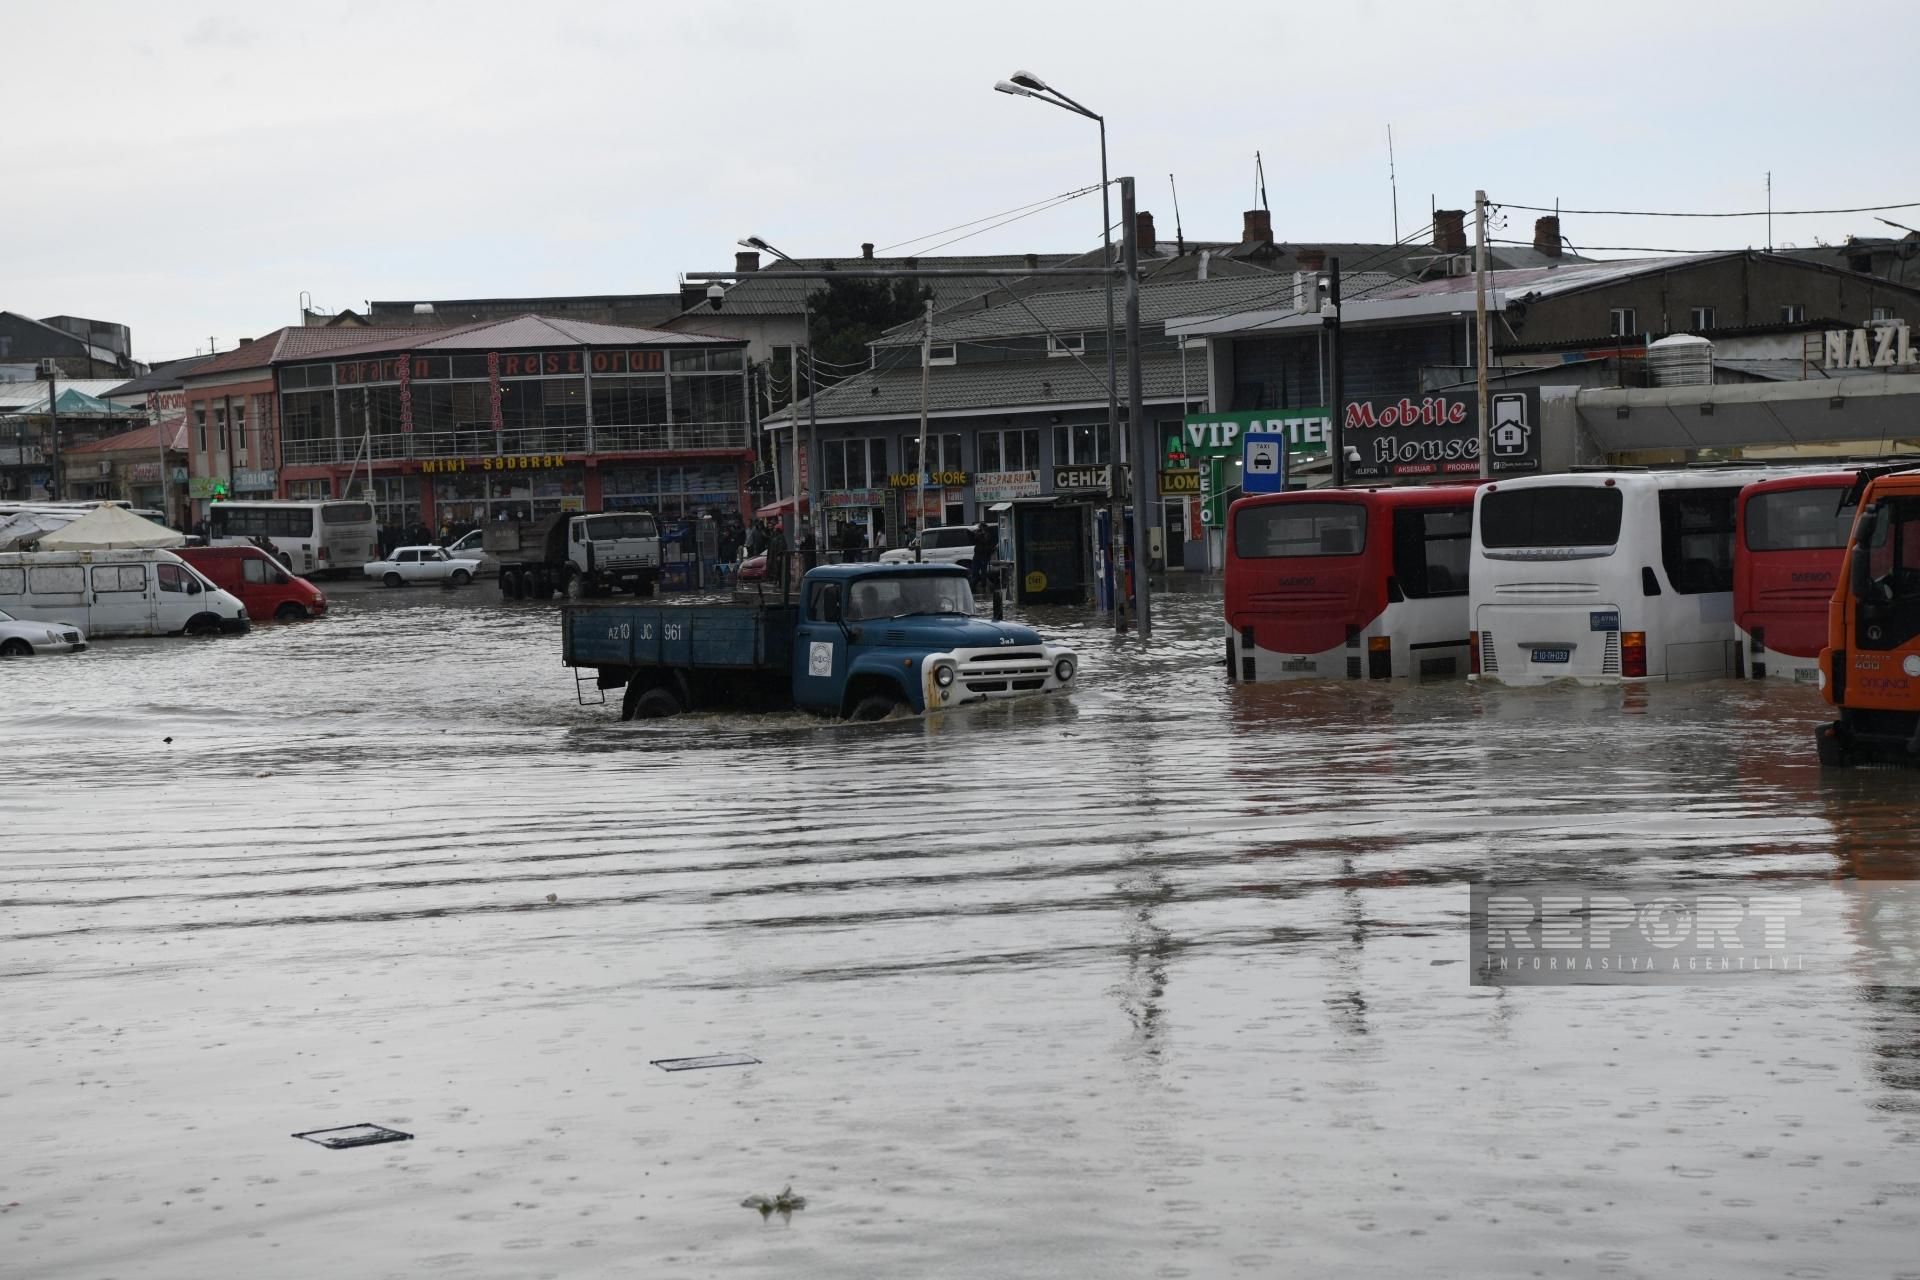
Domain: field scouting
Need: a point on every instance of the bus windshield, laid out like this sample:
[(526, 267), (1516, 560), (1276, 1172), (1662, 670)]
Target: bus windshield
[(1278, 531), (1551, 517), (902, 597), (1799, 519)]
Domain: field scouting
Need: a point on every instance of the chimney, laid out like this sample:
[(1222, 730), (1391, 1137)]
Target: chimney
[(1143, 232), (1546, 236), (1310, 259), (1033, 262), (866, 250), (746, 260), (1256, 225), (1450, 230)]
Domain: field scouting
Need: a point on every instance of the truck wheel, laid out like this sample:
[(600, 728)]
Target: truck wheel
[(645, 588), (1832, 752), (875, 706), (654, 704), (533, 586), (392, 579), (16, 648), (577, 587), (509, 585), (289, 612)]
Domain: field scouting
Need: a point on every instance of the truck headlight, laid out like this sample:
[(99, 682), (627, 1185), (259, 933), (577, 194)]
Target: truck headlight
[(943, 675), (1063, 670)]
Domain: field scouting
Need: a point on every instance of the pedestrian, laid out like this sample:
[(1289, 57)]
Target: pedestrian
[(446, 533), (777, 553), (985, 541), (757, 538), (808, 550)]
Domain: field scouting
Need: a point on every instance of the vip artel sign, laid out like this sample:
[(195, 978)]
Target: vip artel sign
[(1439, 435)]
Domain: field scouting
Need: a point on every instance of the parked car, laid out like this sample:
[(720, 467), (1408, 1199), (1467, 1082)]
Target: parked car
[(24, 639), (951, 544), (419, 564), (468, 547), (260, 579), (132, 592), (753, 569)]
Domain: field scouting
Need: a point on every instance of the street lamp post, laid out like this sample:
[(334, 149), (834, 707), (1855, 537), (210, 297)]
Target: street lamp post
[(51, 372), (1025, 84)]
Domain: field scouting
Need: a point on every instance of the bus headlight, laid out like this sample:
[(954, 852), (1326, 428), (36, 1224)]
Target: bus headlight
[(1063, 670), (943, 675)]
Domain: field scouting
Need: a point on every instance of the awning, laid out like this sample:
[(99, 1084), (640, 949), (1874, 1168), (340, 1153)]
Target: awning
[(781, 508)]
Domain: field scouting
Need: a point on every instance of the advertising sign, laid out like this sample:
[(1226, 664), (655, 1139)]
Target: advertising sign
[(1220, 435), (1003, 486), (1081, 479), (1179, 484), (1438, 435), (252, 481)]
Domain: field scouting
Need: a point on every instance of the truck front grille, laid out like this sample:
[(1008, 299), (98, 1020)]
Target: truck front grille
[(1012, 671)]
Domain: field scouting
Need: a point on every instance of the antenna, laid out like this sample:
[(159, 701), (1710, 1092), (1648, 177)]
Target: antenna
[(1179, 238), (1259, 181), (1769, 211), (1394, 182)]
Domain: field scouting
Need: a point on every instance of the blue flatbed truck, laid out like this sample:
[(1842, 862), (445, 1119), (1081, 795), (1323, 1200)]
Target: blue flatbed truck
[(858, 642)]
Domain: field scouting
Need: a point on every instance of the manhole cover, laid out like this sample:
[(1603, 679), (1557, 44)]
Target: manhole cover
[(710, 1060), (354, 1135)]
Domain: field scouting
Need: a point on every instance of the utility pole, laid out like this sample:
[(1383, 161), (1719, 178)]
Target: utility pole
[(1146, 478), (52, 373), (813, 436), (1480, 322), (799, 489), (920, 479), (1336, 376)]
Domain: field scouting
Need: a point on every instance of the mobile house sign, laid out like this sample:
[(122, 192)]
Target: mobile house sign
[(1439, 435)]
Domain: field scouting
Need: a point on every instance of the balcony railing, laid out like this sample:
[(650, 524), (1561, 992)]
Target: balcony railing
[(518, 441)]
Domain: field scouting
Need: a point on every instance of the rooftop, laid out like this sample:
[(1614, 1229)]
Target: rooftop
[(146, 437), (521, 333)]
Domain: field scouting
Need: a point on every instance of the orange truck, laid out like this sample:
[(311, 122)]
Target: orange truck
[(1870, 667)]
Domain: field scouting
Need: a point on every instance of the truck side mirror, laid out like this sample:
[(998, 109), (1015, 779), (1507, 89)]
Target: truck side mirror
[(1860, 567)]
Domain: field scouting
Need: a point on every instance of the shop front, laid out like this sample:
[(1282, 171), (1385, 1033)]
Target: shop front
[(673, 491), (466, 495), (945, 496), (856, 519)]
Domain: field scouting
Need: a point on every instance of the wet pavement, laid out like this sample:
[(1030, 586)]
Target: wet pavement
[(1164, 978)]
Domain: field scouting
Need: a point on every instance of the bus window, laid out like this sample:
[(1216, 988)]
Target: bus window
[(1551, 516), (1431, 548), (1696, 538), (289, 522), (346, 513), (1300, 529), (1798, 520)]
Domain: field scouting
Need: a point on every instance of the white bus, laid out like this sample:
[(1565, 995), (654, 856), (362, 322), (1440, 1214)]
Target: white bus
[(1605, 576), (318, 537)]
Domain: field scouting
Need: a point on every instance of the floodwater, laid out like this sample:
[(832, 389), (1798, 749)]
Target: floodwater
[(1164, 978)]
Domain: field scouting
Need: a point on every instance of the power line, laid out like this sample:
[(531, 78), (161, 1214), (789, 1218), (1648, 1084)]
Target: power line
[(1640, 248), (1654, 213), (1064, 196), (1055, 204)]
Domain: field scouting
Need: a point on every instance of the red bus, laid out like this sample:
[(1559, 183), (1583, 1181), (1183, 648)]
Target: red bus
[(1349, 583), (1790, 535)]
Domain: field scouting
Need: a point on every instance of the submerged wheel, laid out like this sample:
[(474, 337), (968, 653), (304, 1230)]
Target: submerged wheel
[(509, 586), (461, 578), (875, 706), (1832, 752), (651, 704), (16, 648), (289, 612), (392, 579), (203, 624), (577, 588)]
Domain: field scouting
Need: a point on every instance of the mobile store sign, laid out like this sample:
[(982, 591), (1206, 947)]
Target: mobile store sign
[(1439, 435)]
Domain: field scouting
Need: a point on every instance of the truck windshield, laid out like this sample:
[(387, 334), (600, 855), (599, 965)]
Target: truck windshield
[(903, 597), (607, 528)]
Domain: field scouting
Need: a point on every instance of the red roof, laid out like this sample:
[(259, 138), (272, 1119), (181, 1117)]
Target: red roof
[(146, 437), (519, 333)]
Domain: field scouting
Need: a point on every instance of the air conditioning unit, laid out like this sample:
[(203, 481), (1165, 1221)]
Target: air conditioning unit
[(1460, 264), (48, 368), (106, 468)]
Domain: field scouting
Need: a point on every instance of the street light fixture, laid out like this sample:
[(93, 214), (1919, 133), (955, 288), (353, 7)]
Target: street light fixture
[(1025, 84), (813, 410)]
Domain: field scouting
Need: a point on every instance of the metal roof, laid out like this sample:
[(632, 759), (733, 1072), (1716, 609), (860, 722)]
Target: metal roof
[(522, 332), (1080, 310), (163, 377), (1003, 385), (756, 296), (146, 437), (31, 396)]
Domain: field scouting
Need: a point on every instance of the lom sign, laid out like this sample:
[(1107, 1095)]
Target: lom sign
[(1439, 435)]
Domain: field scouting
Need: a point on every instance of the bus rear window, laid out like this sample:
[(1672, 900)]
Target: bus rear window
[(346, 513), (1696, 539), (1799, 519), (1550, 516), (1282, 530)]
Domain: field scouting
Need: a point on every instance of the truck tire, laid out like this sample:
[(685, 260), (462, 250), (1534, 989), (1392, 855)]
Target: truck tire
[(509, 584), (655, 703), (875, 706), (645, 587), (536, 587), (577, 587), (1830, 749)]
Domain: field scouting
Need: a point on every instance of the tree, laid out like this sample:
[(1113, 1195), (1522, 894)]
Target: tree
[(850, 313)]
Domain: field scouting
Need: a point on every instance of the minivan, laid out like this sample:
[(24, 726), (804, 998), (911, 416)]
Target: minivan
[(263, 584), (116, 593)]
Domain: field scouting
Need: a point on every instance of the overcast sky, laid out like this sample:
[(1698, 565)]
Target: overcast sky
[(191, 168)]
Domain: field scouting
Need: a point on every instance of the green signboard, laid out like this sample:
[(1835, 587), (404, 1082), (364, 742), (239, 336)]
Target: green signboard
[(1214, 443)]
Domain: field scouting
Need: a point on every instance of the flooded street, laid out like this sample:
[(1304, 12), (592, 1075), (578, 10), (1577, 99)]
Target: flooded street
[(1167, 977)]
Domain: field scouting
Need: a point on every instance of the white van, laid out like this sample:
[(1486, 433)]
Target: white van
[(116, 593)]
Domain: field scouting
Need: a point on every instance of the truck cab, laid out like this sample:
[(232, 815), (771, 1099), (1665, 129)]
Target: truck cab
[(1870, 668), (870, 637), (583, 556)]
